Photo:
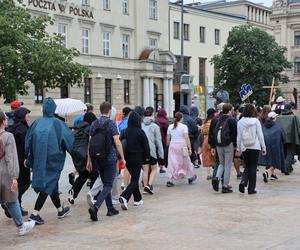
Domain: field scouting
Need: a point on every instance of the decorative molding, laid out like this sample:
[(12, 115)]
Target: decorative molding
[(38, 12), (108, 25), (126, 29), (63, 17), (85, 21), (154, 33)]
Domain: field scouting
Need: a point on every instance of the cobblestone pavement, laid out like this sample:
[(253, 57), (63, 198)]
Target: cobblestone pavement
[(182, 217)]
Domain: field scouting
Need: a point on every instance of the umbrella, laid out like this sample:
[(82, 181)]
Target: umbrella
[(68, 106)]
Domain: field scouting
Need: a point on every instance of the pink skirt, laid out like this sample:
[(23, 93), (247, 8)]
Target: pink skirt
[(179, 166)]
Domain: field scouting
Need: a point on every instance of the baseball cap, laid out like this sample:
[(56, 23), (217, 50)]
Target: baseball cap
[(16, 104), (272, 115)]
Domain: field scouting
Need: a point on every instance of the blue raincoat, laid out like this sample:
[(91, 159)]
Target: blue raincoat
[(46, 143)]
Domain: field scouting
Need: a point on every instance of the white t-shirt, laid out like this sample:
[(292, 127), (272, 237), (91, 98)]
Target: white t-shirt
[(177, 134)]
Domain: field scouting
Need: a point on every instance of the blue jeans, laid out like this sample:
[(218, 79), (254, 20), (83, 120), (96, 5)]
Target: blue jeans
[(107, 172), (15, 212)]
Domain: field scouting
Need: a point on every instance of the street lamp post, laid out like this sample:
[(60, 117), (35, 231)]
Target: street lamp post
[(182, 42)]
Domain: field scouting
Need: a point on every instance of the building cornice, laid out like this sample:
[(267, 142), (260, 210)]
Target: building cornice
[(85, 21), (38, 12), (63, 17), (127, 29), (153, 33)]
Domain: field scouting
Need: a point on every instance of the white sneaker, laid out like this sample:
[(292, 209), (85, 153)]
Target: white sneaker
[(123, 202), (90, 199), (138, 203), (115, 201), (26, 227)]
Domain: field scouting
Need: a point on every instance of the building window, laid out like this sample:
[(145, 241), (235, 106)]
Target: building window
[(85, 41), (126, 92), (62, 31), (186, 31), (217, 37), (153, 9), (125, 46), (297, 65), (64, 92), (125, 7), (106, 43), (87, 90), (176, 30), (85, 2), (202, 34), (106, 4), (38, 94), (202, 68), (152, 43), (108, 90), (297, 37)]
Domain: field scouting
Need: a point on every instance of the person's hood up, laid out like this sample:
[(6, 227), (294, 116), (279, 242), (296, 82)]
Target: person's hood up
[(148, 120), (247, 121), (49, 107), (269, 123), (20, 114), (184, 110), (134, 120), (194, 112), (162, 117)]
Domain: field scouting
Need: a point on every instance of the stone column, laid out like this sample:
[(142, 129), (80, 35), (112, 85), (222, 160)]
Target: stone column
[(146, 92), (151, 93), (171, 98), (166, 96)]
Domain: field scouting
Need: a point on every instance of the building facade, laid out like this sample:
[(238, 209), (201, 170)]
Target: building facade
[(205, 34), (125, 48), (286, 21)]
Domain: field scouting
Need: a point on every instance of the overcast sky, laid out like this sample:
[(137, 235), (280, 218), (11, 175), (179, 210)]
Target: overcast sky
[(264, 2)]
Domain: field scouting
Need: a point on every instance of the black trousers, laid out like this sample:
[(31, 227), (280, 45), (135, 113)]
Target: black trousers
[(134, 166), (250, 157), (23, 181), (289, 152), (42, 199), (81, 180)]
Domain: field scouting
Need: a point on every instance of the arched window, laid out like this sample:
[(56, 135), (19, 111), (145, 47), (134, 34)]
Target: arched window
[(297, 65)]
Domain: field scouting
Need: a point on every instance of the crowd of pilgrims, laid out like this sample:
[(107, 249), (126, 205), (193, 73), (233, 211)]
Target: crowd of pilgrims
[(137, 144)]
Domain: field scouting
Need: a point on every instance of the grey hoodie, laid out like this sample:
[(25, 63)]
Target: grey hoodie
[(153, 134)]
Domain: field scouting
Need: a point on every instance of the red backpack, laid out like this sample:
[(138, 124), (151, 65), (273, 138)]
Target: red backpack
[(2, 150)]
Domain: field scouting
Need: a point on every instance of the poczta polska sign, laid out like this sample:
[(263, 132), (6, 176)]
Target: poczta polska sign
[(47, 5)]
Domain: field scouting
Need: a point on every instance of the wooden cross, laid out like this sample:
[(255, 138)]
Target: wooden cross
[(272, 90)]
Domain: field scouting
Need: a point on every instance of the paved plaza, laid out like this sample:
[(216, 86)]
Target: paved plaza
[(182, 217)]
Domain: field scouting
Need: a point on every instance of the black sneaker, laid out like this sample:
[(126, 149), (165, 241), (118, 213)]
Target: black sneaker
[(71, 179), (274, 177), (252, 192), (24, 212), (215, 184), (266, 176), (162, 171), (192, 179), (93, 213), (170, 184), (149, 190), (37, 219), (239, 175), (242, 188), (112, 212), (6, 211), (226, 190), (64, 212)]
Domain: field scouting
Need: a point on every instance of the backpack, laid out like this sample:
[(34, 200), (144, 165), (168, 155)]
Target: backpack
[(247, 138), (79, 150), (2, 147), (98, 148), (223, 133)]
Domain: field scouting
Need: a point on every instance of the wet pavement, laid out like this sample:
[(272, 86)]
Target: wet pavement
[(181, 217)]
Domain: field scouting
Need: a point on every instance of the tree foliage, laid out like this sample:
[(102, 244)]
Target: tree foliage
[(29, 53), (250, 56)]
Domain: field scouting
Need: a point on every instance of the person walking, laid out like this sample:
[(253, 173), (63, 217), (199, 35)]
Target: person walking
[(46, 143), (152, 131), (137, 151), (19, 130), (274, 138), (179, 163), (79, 155), (9, 173), (208, 159), (194, 112), (163, 123), (250, 141), (225, 138), (103, 148)]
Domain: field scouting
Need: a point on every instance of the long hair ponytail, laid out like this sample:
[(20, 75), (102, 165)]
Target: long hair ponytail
[(177, 118)]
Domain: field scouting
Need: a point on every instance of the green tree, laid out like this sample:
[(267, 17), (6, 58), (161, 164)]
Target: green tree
[(29, 53), (250, 56)]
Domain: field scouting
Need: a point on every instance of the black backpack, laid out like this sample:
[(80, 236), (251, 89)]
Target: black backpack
[(98, 148), (222, 133)]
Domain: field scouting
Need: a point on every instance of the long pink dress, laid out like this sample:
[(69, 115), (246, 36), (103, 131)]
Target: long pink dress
[(179, 166)]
